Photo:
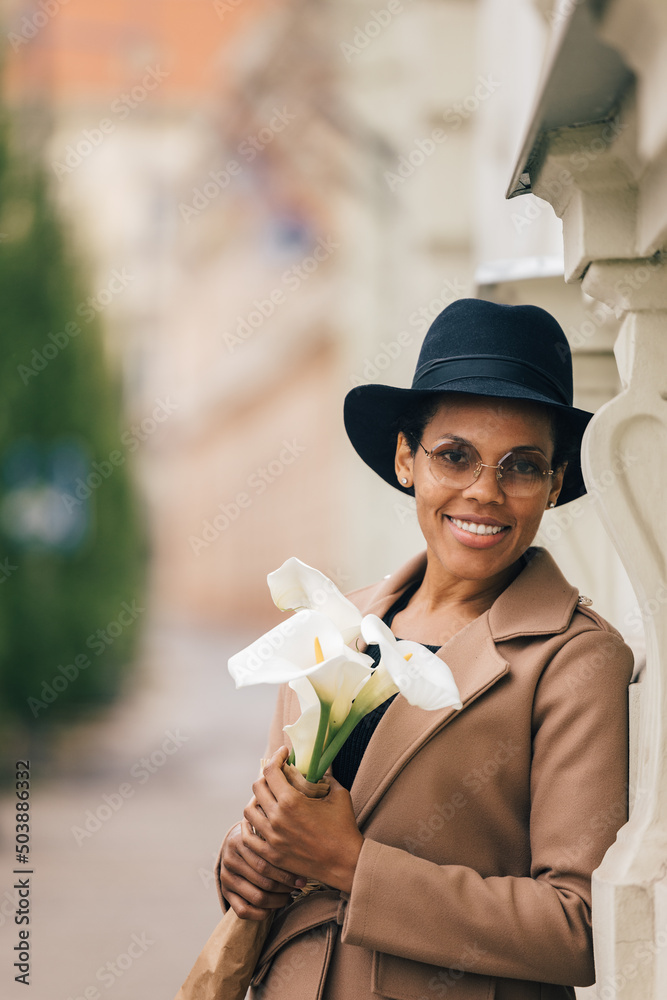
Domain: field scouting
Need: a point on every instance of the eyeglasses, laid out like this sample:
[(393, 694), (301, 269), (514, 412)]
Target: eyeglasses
[(519, 473)]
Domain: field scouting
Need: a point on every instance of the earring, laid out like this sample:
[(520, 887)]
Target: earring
[(552, 503), (404, 481)]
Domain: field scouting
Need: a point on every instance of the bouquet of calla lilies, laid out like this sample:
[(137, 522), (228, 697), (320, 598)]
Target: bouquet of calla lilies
[(335, 684)]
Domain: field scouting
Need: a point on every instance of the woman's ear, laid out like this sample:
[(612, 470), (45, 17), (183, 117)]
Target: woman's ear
[(404, 461), (557, 484)]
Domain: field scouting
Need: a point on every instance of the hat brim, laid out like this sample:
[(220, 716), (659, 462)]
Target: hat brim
[(371, 413)]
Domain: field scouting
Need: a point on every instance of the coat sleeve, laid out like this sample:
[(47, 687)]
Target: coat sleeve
[(532, 928), (276, 739)]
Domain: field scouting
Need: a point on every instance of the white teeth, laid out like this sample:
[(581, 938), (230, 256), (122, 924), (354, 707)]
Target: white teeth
[(477, 529)]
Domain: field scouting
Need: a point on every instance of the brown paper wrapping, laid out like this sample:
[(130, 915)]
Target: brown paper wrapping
[(227, 961)]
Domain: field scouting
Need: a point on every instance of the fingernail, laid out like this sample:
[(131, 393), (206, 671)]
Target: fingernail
[(300, 882)]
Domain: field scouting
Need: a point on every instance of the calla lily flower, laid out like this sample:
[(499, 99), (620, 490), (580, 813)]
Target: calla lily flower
[(406, 667), (296, 585), (305, 692), (288, 651), (353, 678), (303, 732), (333, 682), (422, 677)]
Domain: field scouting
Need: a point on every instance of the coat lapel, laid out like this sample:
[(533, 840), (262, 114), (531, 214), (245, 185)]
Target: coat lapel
[(539, 601), (476, 665)]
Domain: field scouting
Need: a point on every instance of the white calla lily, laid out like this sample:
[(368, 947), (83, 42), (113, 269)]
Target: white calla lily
[(309, 647), (422, 677), (295, 586), (305, 692), (334, 683), (303, 732), (406, 667), (379, 687), (353, 678), (288, 651)]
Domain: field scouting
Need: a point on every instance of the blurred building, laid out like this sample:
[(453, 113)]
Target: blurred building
[(290, 201), (595, 149), (274, 198)]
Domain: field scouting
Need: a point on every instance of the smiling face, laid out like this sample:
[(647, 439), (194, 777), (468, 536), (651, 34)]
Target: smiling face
[(478, 532)]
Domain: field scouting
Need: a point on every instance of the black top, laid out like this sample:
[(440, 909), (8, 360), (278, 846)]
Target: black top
[(347, 761)]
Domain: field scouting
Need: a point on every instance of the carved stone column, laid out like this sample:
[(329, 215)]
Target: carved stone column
[(607, 181), (629, 434)]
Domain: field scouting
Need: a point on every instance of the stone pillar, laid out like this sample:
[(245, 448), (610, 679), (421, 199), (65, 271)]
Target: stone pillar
[(629, 437), (608, 184)]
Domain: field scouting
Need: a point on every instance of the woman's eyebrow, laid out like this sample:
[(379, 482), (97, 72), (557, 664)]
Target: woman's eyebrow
[(516, 447)]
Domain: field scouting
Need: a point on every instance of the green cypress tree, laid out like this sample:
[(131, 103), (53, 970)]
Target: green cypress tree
[(71, 560)]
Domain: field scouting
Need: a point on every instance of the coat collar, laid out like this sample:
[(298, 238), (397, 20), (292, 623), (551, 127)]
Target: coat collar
[(538, 602)]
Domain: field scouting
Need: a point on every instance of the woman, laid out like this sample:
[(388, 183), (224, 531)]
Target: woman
[(460, 860)]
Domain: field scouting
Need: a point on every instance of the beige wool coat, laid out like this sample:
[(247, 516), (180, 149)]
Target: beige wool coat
[(481, 826)]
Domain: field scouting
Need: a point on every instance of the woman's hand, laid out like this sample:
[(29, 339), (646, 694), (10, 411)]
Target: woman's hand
[(252, 886), (317, 837)]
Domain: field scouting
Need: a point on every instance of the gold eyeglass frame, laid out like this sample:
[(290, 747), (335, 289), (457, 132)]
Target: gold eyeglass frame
[(479, 466)]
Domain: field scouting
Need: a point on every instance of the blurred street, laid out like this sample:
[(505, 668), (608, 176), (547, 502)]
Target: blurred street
[(133, 871), (218, 218)]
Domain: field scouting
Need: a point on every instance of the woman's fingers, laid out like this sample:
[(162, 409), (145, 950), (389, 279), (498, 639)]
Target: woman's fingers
[(244, 909), (259, 898), (255, 819), (240, 860), (273, 775), (262, 870), (239, 884)]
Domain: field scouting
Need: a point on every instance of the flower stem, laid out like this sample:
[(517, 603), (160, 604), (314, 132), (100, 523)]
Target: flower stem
[(330, 753), (314, 768)]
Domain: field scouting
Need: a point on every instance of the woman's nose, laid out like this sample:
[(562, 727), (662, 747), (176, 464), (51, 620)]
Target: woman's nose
[(486, 488)]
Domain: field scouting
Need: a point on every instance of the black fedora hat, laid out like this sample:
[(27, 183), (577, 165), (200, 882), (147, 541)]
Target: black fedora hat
[(484, 349)]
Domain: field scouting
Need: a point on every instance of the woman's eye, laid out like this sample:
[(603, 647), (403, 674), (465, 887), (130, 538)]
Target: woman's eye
[(523, 467), (452, 456)]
